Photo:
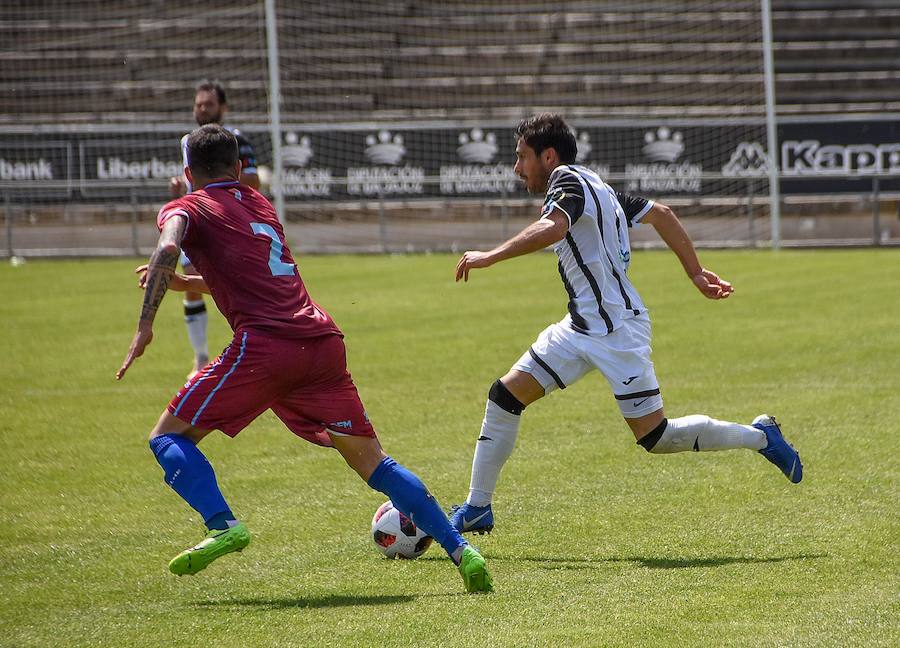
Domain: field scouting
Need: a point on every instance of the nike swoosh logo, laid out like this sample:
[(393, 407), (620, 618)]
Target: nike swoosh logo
[(639, 403), (628, 382), (468, 524), (484, 438)]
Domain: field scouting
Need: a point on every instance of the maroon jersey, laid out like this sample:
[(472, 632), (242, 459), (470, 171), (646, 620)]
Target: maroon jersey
[(236, 242)]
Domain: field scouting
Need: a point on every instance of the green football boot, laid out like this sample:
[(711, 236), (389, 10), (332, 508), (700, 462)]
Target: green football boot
[(218, 542), (474, 571)]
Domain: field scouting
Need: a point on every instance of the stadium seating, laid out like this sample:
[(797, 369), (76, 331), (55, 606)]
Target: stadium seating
[(436, 60)]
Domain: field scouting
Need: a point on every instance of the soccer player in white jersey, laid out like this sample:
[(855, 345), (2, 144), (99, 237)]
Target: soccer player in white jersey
[(210, 107), (607, 327)]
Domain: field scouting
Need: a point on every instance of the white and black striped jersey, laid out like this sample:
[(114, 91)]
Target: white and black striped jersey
[(594, 255)]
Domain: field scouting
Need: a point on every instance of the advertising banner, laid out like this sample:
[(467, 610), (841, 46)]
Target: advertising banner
[(393, 163)]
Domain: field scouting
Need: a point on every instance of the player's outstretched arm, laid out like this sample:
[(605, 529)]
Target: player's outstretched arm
[(546, 231), (159, 273), (179, 282), (670, 230)]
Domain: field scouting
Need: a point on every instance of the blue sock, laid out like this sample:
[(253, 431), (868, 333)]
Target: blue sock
[(189, 474), (411, 498)]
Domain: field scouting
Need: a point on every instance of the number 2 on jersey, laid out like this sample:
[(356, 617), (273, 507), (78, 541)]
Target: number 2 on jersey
[(278, 267)]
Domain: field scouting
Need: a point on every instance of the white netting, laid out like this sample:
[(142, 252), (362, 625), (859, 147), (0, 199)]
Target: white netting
[(397, 117), (94, 98), (661, 93)]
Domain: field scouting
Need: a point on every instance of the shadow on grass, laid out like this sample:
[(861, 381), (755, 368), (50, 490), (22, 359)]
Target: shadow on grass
[(656, 562), (312, 602), (717, 561)]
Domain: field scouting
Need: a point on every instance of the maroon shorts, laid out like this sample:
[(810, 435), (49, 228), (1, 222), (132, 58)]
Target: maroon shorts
[(305, 382)]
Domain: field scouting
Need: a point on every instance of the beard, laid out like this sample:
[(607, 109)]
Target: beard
[(537, 185), (203, 120)]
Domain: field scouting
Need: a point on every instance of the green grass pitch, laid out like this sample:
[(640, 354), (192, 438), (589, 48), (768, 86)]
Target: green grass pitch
[(597, 543)]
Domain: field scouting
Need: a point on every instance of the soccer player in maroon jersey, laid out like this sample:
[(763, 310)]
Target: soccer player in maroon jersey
[(287, 355), (210, 107)]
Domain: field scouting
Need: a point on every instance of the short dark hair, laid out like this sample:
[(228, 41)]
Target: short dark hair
[(212, 150), (212, 86), (549, 130)]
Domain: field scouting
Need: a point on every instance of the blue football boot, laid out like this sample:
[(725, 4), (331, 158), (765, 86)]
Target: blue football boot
[(466, 518), (777, 450)]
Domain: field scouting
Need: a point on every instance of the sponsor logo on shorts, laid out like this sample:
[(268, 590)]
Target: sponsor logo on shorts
[(344, 425)]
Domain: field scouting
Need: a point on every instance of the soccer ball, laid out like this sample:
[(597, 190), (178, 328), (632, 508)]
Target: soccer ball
[(396, 535)]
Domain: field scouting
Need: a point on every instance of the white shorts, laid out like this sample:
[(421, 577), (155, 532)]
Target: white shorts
[(560, 356)]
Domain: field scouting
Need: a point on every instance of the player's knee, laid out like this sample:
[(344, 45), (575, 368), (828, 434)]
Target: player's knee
[(651, 441), (192, 434), (503, 398)]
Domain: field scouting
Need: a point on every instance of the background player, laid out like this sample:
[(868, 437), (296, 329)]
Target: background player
[(287, 354), (209, 108), (607, 327)]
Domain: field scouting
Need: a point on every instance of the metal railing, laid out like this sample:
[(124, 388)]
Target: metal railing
[(383, 223)]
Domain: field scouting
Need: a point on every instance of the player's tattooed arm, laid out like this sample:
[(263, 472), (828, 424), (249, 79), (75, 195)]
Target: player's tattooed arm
[(159, 274), (161, 267), (160, 270)]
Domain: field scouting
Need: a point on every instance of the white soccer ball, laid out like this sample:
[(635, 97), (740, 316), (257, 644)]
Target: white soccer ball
[(396, 535)]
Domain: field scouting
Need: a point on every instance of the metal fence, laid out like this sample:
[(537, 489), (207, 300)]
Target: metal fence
[(388, 224)]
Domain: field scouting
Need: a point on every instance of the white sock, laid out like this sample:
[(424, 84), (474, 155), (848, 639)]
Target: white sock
[(196, 326), (701, 433), (499, 430)]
